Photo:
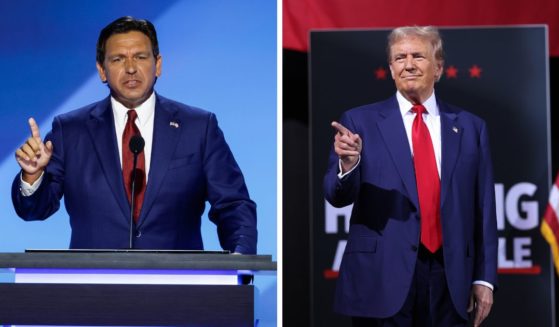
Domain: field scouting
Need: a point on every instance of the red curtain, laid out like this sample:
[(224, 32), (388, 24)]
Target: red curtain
[(300, 16)]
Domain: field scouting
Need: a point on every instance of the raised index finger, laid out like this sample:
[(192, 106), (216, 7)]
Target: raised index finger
[(34, 128), (340, 128)]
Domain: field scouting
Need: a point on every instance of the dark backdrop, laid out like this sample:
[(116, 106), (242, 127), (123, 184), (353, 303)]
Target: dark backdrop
[(296, 179)]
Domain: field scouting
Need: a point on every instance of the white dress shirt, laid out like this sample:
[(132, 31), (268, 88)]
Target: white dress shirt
[(432, 119), (144, 122)]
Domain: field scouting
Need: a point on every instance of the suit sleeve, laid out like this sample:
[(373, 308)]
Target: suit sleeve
[(45, 201), (341, 192), (232, 210), (486, 221)]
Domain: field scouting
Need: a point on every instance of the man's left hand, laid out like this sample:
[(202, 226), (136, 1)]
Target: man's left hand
[(481, 300)]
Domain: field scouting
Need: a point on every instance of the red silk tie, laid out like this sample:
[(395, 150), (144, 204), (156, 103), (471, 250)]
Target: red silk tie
[(428, 182), (130, 129)]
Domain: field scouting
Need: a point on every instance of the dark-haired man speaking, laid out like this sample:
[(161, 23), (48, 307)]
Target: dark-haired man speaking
[(86, 158)]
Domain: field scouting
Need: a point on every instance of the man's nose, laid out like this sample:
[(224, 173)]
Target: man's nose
[(130, 66), (409, 63)]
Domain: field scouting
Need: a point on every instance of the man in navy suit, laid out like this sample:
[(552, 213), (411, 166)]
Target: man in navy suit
[(422, 246), (185, 162)]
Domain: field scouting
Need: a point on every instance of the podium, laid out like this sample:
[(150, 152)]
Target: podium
[(130, 288)]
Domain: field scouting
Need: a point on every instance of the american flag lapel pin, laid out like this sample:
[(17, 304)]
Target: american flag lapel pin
[(174, 124)]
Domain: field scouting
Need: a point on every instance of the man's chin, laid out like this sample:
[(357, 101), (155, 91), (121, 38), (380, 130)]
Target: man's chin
[(411, 94), (131, 101), (410, 90)]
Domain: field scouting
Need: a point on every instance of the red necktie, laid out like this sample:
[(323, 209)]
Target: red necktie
[(428, 182), (130, 129)]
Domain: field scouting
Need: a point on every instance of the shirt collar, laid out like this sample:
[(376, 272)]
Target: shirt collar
[(145, 110), (430, 104)]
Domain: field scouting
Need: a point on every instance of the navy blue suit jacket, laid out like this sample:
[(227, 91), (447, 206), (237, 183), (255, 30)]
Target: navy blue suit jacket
[(190, 163), (378, 264)]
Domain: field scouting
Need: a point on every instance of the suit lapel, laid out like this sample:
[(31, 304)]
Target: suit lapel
[(101, 128), (165, 137), (394, 134), (451, 132)]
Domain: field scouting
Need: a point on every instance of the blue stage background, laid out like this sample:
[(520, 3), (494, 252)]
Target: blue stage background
[(219, 55)]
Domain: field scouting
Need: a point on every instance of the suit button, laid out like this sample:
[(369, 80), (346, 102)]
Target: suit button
[(414, 248), (138, 233)]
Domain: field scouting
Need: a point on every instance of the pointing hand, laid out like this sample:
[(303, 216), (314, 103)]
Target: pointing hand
[(347, 146), (34, 155)]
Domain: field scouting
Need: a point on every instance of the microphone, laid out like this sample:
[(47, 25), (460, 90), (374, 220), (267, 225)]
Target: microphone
[(136, 146)]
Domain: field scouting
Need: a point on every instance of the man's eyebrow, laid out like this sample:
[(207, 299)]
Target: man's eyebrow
[(123, 54)]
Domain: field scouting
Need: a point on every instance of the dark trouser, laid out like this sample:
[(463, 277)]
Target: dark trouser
[(428, 304)]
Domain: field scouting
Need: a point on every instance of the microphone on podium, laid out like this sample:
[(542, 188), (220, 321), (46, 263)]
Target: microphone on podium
[(136, 146)]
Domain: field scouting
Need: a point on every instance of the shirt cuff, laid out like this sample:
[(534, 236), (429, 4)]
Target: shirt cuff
[(481, 282), (28, 189), (342, 175)]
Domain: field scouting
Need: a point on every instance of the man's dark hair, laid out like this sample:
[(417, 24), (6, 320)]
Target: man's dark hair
[(124, 25)]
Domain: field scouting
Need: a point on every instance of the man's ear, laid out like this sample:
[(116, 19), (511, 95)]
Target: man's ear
[(158, 63), (439, 70), (101, 72)]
